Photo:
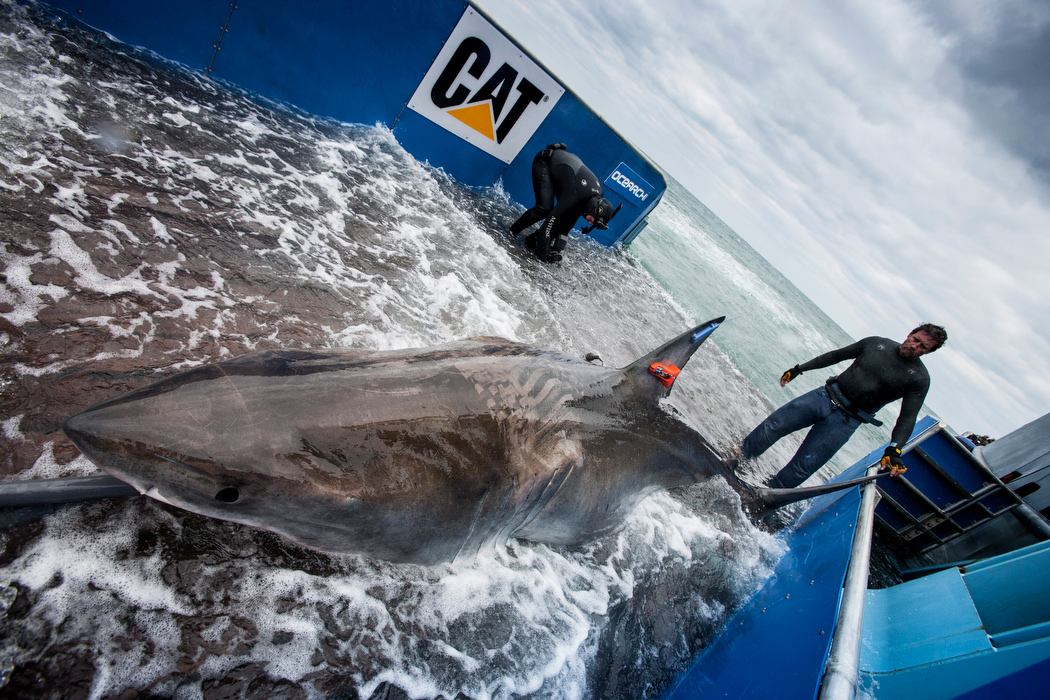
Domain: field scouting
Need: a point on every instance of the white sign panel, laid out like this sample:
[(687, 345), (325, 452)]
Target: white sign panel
[(485, 90)]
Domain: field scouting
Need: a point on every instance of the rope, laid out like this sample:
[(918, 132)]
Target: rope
[(222, 33)]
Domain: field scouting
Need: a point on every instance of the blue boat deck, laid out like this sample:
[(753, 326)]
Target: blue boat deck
[(958, 630), (981, 629), (786, 628)]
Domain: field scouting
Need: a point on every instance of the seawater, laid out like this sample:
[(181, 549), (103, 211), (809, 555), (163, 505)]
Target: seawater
[(704, 264), (153, 220)]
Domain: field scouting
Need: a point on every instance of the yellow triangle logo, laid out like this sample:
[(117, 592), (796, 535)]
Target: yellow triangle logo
[(478, 117)]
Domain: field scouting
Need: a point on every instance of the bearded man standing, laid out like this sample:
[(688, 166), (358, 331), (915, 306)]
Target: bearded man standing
[(882, 371)]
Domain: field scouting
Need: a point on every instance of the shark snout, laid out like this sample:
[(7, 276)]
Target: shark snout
[(109, 437)]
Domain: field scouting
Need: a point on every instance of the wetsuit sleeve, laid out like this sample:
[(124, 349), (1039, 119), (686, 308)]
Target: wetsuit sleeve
[(909, 412), (850, 352)]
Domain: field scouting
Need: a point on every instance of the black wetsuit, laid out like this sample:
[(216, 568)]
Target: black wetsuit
[(878, 376), (560, 175)]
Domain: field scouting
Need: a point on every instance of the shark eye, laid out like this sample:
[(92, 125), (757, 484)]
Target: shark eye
[(228, 495)]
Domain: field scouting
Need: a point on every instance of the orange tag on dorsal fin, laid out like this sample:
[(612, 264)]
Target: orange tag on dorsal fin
[(665, 373)]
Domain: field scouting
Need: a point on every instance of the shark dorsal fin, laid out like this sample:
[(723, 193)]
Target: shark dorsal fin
[(655, 373)]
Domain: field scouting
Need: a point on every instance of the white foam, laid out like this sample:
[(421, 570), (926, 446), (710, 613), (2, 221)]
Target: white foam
[(177, 119), (160, 230), (10, 428), (26, 298), (65, 249), (47, 467)]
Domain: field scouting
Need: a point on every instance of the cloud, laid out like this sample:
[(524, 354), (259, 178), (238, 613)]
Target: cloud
[(887, 157), (1002, 54)]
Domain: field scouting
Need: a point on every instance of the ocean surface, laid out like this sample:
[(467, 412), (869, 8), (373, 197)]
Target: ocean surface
[(152, 220)]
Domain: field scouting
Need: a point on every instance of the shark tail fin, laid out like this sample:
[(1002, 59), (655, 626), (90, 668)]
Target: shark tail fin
[(774, 498), (659, 368)]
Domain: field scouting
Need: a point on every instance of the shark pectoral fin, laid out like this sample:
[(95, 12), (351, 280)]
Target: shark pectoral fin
[(774, 498)]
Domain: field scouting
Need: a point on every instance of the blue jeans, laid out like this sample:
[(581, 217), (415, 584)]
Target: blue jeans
[(832, 428)]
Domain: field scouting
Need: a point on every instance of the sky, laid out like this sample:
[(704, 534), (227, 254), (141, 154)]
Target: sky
[(891, 158)]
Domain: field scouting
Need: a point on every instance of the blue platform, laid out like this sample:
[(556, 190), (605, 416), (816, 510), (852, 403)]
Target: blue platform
[(976, 631), (986, 625), (786, 628)]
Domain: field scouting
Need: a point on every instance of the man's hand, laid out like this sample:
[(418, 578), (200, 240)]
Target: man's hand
[(789, 375), (891, 459)]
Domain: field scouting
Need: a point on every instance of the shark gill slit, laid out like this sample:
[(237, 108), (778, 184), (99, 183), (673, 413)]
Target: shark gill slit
[(492, 534), (512, 524), (473, 524), (549, 490)]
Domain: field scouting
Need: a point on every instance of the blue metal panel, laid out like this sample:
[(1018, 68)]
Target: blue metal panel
[(945, 493), (1028, 683), (429, 142), (920, 622), (960, 676), (1021, 635), (786, 627), (285, 51), (1010, 591), (180, 30), (964, 471), (927, 638), (357, 62)]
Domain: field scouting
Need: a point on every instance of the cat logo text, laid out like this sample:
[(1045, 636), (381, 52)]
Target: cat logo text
[(485, 90)]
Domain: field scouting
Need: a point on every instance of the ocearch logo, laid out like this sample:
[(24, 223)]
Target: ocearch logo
[(482, 88), (621, 179), (629, 184)]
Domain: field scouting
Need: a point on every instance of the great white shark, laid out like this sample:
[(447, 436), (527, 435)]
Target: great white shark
[(421, 455)]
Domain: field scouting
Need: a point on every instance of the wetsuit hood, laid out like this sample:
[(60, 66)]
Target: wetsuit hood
[(602, 211)]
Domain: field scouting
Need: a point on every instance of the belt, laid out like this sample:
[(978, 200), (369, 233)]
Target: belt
[(845, 405)]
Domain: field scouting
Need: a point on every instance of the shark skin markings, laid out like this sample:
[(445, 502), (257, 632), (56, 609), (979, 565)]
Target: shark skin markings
[(418, 456)]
